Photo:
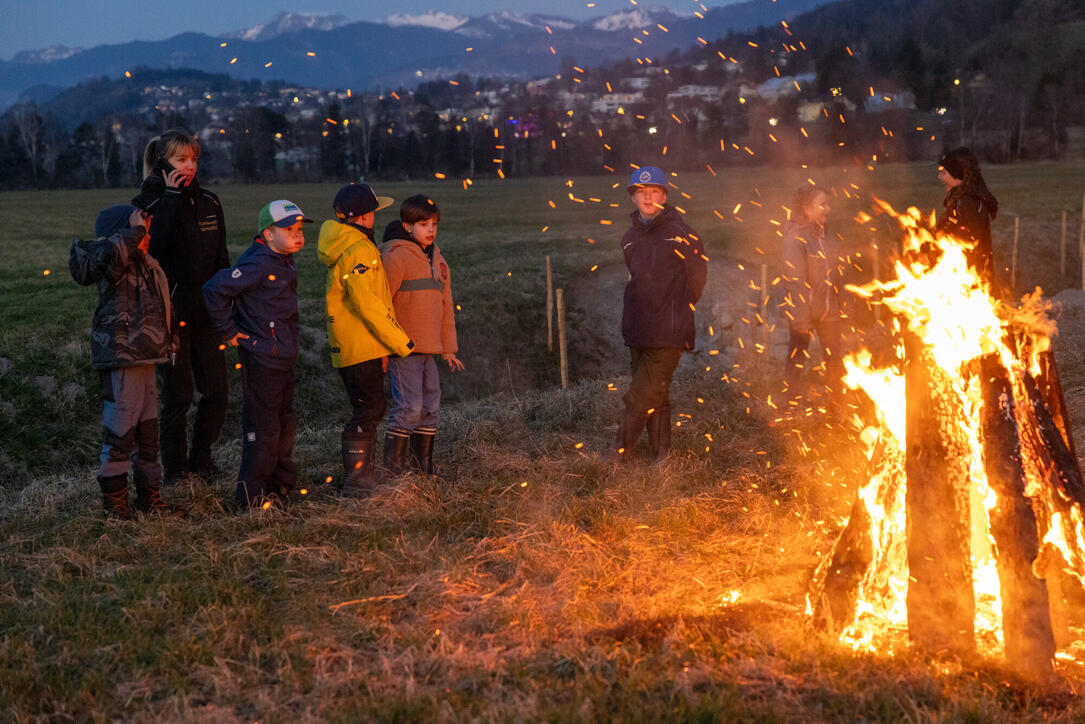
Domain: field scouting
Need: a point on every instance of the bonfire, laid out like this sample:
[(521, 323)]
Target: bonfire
[(967, 535)]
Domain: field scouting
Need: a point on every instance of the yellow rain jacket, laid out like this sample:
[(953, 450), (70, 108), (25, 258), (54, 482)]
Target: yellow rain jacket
[(361, 323)]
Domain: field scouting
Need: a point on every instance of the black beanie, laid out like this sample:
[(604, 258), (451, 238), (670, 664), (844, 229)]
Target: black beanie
[(112, 219)]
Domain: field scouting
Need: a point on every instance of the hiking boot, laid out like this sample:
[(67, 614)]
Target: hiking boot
[(115, 497), (149, 500), (359, 478), (422, 450), (395, 451)]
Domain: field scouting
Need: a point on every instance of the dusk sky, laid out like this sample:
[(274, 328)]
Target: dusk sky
[(33, 24)]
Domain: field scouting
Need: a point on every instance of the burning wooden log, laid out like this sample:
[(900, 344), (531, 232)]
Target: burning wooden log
[(1026, 620), (941, 603)]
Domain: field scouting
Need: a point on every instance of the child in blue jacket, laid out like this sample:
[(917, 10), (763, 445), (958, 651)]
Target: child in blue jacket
[(254, 307)]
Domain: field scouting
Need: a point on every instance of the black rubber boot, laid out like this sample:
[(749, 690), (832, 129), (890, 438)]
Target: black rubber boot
[(395, 451), (115, 497), (422, 450), (659, 434), (359, 478)]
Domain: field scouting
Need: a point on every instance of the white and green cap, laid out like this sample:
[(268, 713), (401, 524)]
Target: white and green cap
[(280, 213)]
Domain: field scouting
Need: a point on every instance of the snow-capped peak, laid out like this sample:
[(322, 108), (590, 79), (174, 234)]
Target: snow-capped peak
[(630, 19), (430, 19), (45, 55), (287, 22)]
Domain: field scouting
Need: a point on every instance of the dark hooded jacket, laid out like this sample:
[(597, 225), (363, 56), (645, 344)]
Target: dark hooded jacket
[(258, 296), (968, 217), (667, 273), (188, 238), (132, 321)]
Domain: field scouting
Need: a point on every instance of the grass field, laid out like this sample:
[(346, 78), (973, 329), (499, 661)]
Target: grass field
[(532, 580)]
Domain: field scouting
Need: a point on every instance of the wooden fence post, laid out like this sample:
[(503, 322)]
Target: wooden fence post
[(1062, 247), (1013, 258), (549, 307), (763, 310), (561, 340), (1081, 241)]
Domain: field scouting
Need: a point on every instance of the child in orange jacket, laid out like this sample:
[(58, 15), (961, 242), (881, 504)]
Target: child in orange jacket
[(421, 287)]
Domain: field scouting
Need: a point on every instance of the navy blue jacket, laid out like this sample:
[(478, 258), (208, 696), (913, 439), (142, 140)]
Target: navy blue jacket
[(667, 273), (258, 296)]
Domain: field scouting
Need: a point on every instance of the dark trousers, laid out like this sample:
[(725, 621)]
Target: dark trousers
[(365, 390), (830, 334), (200, 366), (129, 427), (268, 430), (649, 394)]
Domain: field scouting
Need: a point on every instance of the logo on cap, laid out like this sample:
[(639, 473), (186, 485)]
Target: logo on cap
[(645, 176)]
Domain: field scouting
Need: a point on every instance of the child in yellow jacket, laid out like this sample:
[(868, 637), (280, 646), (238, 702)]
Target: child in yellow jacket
[(421, 287), (362, 328)]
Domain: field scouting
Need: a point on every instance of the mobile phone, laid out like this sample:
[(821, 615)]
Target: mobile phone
[(164, 166)]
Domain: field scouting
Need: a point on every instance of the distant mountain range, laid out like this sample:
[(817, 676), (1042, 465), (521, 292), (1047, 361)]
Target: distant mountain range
[(329, 51)]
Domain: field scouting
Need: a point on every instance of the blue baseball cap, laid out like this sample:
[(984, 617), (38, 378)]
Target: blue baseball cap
[(646, 176)]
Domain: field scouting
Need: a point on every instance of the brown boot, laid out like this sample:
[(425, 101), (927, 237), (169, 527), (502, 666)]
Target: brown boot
[(659, 434), (628, 434), (115, 497), (149, 500)]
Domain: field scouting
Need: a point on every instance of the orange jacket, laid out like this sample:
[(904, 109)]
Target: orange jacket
[(422, 295)]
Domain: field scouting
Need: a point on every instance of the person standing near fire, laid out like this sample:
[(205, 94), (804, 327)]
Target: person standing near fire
[(667, 273), (188, 239), (969, 209), (811, 277)]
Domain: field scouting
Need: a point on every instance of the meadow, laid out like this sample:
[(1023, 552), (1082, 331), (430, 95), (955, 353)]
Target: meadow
[(531, 580)]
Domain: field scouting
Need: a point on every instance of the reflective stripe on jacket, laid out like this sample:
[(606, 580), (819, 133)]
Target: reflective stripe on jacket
[(422, 295)]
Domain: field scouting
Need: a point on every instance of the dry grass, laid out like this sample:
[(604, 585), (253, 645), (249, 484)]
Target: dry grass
[(532, 581)]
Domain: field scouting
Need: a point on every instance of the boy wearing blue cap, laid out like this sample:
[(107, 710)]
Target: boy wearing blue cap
[(130, 335), (667, 273), (254, 307)]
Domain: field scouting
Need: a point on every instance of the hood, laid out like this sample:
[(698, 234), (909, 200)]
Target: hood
[(335, 238), (397, 243)]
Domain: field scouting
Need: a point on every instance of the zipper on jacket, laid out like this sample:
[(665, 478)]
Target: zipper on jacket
[(274, 339)]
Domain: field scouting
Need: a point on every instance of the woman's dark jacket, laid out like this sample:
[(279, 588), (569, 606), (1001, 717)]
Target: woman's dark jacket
[(968, 218), (188, 238), (667, 273), (132, 320)]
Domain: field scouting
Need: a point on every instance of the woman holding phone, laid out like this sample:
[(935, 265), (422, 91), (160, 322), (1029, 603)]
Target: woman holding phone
[(188, 239)]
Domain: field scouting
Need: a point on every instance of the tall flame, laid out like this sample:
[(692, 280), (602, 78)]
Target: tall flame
[(939, 298)]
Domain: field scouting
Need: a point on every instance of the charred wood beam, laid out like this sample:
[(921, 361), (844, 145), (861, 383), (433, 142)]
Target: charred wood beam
[(941, 605), (1026, 620)]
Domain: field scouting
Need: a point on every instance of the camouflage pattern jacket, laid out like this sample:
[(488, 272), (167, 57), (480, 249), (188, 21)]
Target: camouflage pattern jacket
[(132, 324)]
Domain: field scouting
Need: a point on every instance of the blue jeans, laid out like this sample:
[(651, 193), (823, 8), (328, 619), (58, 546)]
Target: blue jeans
[(416, 393)]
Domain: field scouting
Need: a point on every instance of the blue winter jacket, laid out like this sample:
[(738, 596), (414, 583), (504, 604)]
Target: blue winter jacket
[(667, 273), (258, 296)]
